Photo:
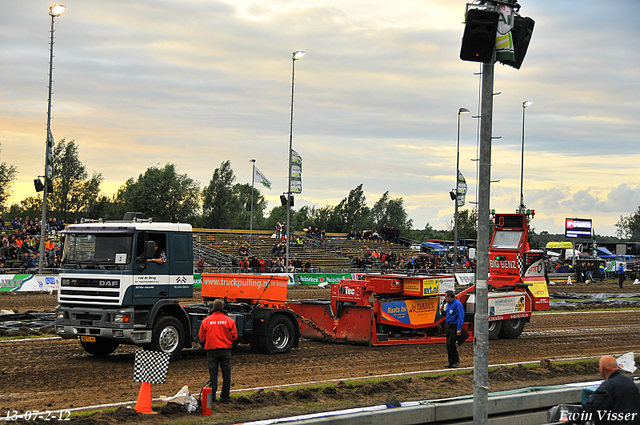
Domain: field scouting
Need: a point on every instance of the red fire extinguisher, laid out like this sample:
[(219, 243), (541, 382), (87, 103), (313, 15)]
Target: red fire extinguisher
[(206, 398)]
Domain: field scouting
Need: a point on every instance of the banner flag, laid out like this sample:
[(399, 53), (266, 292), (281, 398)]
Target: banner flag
[(504, 38), (49, 165), (261, 178), (462, 189), (296, 172)]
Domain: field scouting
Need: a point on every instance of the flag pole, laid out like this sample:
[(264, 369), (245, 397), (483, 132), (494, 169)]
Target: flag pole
[(253, 178)]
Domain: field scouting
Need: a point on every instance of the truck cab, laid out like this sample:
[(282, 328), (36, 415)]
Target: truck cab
[(112, 291)]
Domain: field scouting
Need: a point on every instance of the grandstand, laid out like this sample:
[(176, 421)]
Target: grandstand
[(217, 247)]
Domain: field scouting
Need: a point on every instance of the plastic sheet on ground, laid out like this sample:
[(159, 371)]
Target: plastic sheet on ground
[(32, 320), (600, 299)]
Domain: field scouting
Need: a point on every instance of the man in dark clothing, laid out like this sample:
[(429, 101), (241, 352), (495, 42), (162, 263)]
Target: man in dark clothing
[(217, 333), (454, 318), (616, 401)]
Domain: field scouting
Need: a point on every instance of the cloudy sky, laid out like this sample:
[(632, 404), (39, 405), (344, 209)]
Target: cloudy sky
[(139, 83)]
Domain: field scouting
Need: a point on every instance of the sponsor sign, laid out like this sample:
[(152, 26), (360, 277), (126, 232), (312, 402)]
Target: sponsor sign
[(465, 279), (411, 312), (318, 278), (506, 305)]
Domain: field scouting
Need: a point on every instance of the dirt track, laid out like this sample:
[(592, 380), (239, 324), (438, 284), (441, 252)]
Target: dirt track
[(58, 374)]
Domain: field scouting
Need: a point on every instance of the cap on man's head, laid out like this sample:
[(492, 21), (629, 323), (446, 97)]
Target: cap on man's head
[(218, 305)]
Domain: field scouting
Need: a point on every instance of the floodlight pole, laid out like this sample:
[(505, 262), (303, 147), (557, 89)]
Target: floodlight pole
[(297, 55), (253, 176), (54, 11)]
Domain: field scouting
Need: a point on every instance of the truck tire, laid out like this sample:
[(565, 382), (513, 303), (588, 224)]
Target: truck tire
[(511, 328), (168, 337), (278, 339), (101, 348), (494, 329)]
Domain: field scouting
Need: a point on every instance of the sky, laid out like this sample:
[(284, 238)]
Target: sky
[(142, 83)]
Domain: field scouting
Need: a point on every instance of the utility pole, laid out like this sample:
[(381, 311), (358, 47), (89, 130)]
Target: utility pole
[(481, 323)]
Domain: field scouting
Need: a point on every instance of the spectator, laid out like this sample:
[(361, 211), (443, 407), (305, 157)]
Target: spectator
[(15, 223), (621, 275), (617, 395), (307, 266), (254, 264), (243, 252), (2, 270), (1, 223), (200, 266)]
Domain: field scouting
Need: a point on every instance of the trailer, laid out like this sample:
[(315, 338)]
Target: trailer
[(403, 309), (112, 292)]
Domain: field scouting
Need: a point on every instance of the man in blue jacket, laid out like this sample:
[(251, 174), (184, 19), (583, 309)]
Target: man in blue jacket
[(454, 318)]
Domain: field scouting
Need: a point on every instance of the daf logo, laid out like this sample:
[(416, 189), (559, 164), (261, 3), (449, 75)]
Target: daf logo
[(108, 283)]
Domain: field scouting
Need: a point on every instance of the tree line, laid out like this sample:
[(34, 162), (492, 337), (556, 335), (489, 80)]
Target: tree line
[(166, 195)]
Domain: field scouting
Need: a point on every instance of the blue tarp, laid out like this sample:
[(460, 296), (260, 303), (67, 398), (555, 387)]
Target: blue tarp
[(605, 253)]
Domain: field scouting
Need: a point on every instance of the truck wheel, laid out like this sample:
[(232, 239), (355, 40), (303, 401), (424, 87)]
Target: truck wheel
[(168, 337), (494, 329), (511, 328), (279, 337), (101, 348)]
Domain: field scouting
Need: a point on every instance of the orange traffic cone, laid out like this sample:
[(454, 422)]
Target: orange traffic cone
[(143, 405)]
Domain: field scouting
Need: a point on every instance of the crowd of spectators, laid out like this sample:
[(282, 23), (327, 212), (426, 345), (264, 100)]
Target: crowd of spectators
[(20, 244), (246, 262), (388, 234), (388, 262), (585, 271)]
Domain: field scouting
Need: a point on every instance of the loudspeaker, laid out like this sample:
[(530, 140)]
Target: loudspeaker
[(38, 184), (521, 33), (283, 200), (479, 39)]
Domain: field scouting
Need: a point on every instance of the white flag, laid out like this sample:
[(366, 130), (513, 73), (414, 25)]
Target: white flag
[(261, 178)]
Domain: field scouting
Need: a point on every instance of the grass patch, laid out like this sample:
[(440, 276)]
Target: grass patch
[(7, 338)]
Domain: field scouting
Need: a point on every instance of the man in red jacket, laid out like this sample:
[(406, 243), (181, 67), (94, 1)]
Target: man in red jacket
[(217, 333)]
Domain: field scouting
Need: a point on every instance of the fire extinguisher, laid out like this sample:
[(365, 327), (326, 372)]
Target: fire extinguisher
[(206, 399)]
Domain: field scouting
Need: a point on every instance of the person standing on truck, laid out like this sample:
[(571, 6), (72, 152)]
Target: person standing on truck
[(217, 333), (159, 256), (454, 318)]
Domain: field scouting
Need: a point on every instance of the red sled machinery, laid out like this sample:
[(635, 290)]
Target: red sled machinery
[(398, 309)]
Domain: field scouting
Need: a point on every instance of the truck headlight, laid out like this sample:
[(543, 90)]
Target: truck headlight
[(122, 318)]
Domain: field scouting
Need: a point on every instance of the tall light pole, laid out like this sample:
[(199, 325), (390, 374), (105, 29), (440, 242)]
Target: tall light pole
[(521, 208), (54, 11), (455, 213), (253, 176), (297, 55)]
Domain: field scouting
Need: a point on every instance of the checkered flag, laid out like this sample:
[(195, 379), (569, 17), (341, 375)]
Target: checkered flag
[(150, 366)]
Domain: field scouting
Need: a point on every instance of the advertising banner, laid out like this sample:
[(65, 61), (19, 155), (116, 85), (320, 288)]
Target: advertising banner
[(28, 283), (320, 278), (412, 312)]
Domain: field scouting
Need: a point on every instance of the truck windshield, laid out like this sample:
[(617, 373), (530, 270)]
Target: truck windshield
[(97, 250), (509, 239)]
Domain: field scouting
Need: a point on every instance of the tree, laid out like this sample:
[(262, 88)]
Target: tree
[(242, 191), (161, 193), (220, 206), (629, 227), (353, 211), (73, 191), (7, 176), (391, 212), (468, 223)]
